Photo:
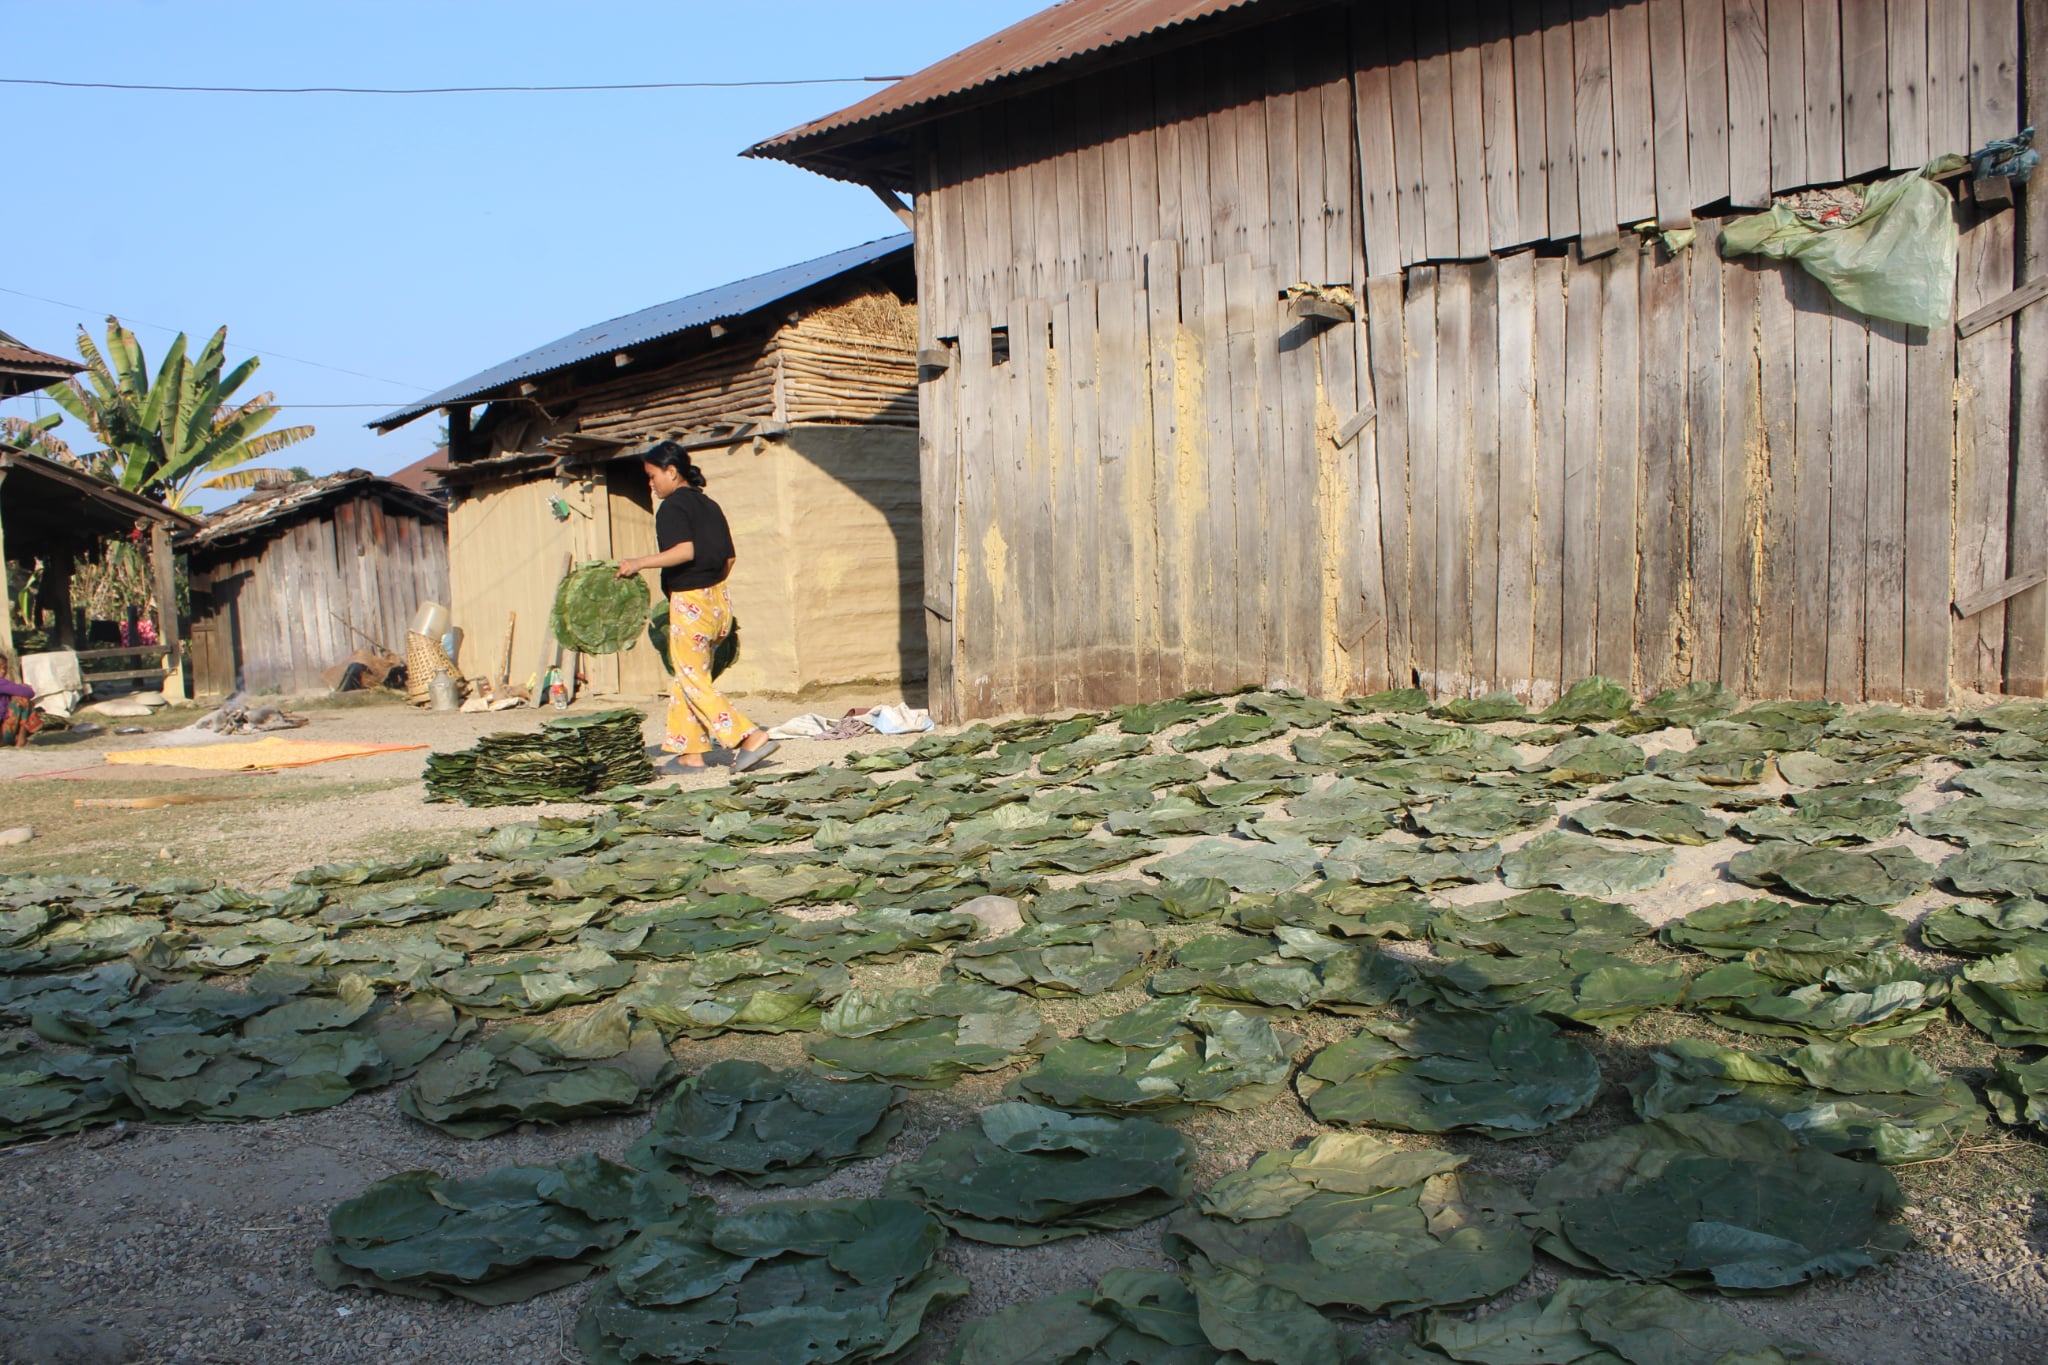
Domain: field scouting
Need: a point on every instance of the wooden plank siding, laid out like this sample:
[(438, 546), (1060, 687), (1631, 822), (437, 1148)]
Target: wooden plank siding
[(1599, 455), (279, 608)]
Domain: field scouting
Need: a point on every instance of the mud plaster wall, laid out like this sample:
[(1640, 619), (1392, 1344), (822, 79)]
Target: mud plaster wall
[(830, 571)]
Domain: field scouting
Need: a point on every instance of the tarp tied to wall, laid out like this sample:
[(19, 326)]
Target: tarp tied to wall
[(1896, 259)]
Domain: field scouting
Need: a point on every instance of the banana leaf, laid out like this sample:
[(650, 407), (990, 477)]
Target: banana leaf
[(768, 1128)]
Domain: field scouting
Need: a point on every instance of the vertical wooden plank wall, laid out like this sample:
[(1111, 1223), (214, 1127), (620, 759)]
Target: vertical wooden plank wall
[(1596, 456)]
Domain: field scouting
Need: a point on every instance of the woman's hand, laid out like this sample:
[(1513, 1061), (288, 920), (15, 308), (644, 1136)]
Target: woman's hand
[(628, 567)]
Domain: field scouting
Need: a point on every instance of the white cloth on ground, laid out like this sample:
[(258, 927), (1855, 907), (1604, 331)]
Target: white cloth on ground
[(58, 681)]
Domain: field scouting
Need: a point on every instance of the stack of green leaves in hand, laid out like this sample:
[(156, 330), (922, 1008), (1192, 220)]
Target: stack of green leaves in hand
[(493, 1239), (794, 1282), (766, 1127), (1026, 1174), (597, 612)]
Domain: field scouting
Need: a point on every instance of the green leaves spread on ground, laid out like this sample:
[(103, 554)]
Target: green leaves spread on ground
[(1349, 1222), (1162, 1056), (1375, 862), (1732, 928), (792, 1281), (1260, 868), (1588, 760), (1673, 823), (925, 1036), (596, 611), (1594, 1322), (1494, 706), (1149, 718), (310, 1052), (1985, 930), (1306, 970), (734, 992), (1981, 822), (1583, 866), (1588, 699), (1698, 1202), (1880, 876), (1998, 872), (1233, 731), (493, 1239), (768, 1127), (1717, 765), (1506, 1074), (533, 983), (870, 935), (1060, 959), (1136, 1317), (1480, 815), (1026, 1175), (2006, 997), (1825, 818), (1579, 985), (1878, 1099), (2019, 1091), (1738, 996), (602, 1063)]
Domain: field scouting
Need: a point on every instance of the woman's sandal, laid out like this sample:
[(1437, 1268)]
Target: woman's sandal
[(747, 758)]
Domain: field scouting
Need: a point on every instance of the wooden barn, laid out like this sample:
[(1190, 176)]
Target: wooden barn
[(796, 391), (287, 583), (1335, 345)]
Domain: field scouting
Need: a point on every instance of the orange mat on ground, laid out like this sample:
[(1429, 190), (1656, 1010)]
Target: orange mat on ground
[(247, 755)]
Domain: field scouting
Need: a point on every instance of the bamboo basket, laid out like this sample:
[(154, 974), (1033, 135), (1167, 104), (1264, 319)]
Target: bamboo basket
[(424, 657)]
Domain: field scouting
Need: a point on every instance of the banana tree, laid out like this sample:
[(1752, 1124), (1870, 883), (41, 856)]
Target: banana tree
[(180, 430)]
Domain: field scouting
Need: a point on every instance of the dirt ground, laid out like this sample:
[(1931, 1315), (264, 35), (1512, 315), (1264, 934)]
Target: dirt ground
[(192, 1245)]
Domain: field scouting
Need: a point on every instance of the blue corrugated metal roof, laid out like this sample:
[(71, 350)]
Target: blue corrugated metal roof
[(666, 319)]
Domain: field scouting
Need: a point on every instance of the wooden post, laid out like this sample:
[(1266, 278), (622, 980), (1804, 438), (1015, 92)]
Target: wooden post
[(166, 608), (2026, 615), (458, 433), (6, 593)]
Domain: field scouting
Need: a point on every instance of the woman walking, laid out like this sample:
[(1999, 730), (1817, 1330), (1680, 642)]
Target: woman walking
[(696, 556)]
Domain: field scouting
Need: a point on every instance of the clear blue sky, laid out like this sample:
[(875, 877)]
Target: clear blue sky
[(418, 239)]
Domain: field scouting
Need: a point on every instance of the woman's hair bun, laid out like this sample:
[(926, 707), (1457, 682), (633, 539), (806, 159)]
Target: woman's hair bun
[(670, 455)]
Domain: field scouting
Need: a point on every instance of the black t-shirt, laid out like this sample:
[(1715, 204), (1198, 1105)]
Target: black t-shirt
[(688, 515)]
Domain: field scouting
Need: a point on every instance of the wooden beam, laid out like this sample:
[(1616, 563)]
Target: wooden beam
[(1999, 309), (935, 358), (1966, 607), (894, 203), (1355, 423), (164, 573), (6, 591), (458, 432)]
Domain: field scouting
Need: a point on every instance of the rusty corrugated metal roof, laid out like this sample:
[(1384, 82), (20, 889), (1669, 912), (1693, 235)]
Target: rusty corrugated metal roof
[(1068, 30), (30, 368)]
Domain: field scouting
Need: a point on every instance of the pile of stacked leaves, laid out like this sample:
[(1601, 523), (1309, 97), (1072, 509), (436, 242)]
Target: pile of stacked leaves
[(571, 758), (768, 1127)]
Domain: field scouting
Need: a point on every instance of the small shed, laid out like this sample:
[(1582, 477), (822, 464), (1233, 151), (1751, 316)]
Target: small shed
[(1350, 343), (797, 393), (23, 368), (289, 582), (52, 512)]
